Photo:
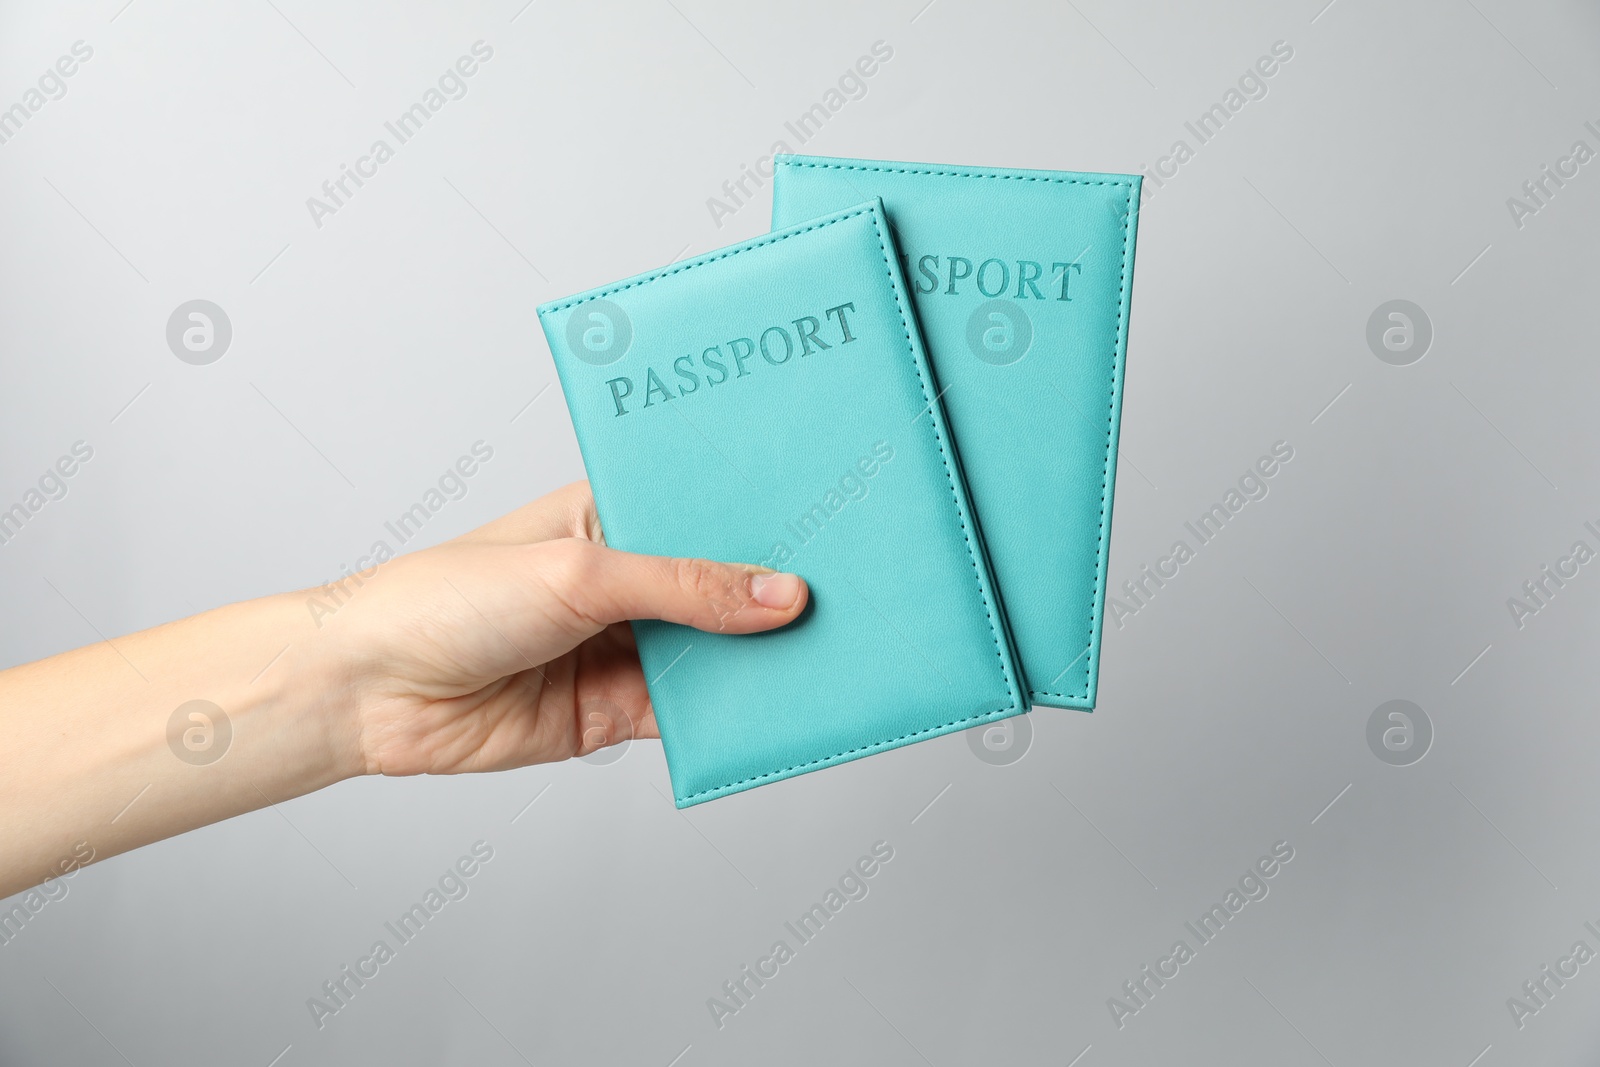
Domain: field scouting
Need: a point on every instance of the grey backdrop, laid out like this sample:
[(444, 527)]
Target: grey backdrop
[(371, 350)]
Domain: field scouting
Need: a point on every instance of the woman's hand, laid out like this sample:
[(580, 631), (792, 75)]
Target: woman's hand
[(509, 645)]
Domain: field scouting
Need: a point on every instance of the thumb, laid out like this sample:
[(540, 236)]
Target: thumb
[(603, 585)]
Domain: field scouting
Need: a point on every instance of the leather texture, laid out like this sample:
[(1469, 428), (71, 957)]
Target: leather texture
[(771, 403), (1022, 281)]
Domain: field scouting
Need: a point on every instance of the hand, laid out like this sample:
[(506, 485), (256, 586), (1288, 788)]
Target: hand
[(508, 645), (501, 648)]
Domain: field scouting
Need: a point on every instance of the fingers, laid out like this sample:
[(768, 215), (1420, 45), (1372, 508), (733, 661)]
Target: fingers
[(603, 723), (566, 512), (600, 585)]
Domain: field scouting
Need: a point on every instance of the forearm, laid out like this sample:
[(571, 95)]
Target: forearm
[(90, 753)]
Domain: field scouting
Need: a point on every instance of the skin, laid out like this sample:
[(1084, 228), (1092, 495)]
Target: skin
[(504, 647)]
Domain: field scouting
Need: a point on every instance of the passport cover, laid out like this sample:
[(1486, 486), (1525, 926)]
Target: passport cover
[(1021, 280), (770, 403)]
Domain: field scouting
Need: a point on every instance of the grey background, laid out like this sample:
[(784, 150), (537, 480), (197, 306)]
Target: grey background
[(369, 353)]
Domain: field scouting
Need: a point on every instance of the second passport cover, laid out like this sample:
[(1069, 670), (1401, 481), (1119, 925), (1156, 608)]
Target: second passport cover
[(770, 403), (1021, 280)]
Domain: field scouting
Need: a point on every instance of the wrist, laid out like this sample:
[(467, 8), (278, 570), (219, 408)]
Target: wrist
[(311, 692)]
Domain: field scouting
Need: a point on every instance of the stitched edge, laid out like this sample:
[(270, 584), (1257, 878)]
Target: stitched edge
[(1118, 351), (955, 499), (876, 746), (1096, 621), (912, 169), (667, 272)]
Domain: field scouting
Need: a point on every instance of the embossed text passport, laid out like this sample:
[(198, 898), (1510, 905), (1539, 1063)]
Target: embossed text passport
[(1021, 281), (771, 403)]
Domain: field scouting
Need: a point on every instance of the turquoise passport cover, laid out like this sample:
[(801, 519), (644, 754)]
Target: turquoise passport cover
[(770, 403), (1021, 281)]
